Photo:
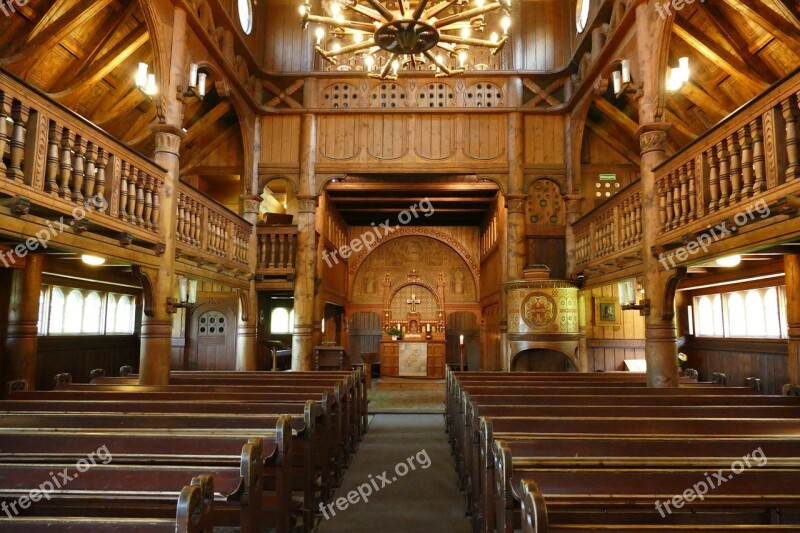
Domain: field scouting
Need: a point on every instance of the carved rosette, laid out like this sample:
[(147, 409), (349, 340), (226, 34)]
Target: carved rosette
[(542, 306)]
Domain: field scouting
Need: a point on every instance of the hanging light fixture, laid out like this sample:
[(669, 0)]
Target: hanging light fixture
[(406, 33)]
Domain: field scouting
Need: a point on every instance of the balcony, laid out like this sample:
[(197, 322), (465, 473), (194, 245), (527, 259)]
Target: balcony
[(277, 250)]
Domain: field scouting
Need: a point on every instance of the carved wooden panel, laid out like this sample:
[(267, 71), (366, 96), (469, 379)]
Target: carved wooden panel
[(485, 136), (340, 96), (387, 136), (280, 139), (545, 206), (388, 95), (436, 94), (434, 136), (337, 136), (483, 94), (397, 257), (544, 139)]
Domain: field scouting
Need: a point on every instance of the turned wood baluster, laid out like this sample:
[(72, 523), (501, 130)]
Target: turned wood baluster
[(638, 218), (131, 209), (190, 222), (662, 205), (156, 216), (273, 257), (290, 257), (78, 168), (123, 191), (181, 222), (626, 223), (148, 202), (669, 203), (100, 176), (713, 179), (262, 253), (19, 114), (197, 219), (676, 198), (789, 109), (684, 181), (53, 158), (691, 193), (759, 168), (90, 172), (5, 127), (724, 173), (140, 198), (67, 141), (736, 169), (746, 143)]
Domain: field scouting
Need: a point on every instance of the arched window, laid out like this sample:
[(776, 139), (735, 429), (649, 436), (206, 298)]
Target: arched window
[(111, 313), (772, 317), (756, 325), (73, 312), (123, 322), (56, 324), (716, 305), (92, 313), (737, 320), (281, 320)]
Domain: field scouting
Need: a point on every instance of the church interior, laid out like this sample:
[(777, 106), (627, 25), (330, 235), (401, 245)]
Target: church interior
[(391, 265)]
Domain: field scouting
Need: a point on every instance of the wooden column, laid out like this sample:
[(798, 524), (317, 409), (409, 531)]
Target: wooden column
[(156, 336), (661, 348), (247, 330), (22, 341), (791, 265), (306, 264)]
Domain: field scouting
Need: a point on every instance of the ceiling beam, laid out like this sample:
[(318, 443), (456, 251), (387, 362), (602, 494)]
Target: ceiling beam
[(121, 107), (771, 21), (715, 53), (680, 125), (195, 156), (376, 198), (616, 115), (77, 16), (206, 121), (710, 106), (715, 15), (614, 142), (417, 187)]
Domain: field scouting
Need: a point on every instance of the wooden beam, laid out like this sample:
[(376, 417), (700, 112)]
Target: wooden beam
[(700, 98), (680, 126), (715, 53), (616, 115), (193, 157), (771, 21), (77, 16), (614, 142), (740, 44), (208, 120), (121, 107)]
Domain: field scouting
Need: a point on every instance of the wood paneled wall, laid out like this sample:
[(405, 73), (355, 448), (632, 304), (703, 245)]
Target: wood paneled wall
[(739, 360), (491, 282), (545, 34), (284, 43), (608, 347), (280, 141), (544, 140), (82, 354)]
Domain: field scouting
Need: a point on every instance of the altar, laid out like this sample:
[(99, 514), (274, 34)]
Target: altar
[(414, 338)]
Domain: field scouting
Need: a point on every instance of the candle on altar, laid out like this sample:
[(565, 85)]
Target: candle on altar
[(461, 339), (428, 328)]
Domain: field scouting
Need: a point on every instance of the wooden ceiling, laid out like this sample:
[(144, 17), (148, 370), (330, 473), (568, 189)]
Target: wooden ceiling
[(736, 49), (453, 203)]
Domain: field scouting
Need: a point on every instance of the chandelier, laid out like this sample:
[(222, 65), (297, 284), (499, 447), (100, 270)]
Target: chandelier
[(382, 38)]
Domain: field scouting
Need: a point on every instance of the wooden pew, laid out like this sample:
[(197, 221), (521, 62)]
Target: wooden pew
[(193, 515)]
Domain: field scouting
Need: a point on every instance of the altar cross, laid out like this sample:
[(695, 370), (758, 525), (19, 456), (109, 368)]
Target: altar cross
[(413, 302)]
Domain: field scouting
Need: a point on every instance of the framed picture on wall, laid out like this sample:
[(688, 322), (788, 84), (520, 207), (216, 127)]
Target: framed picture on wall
[(607, 312)]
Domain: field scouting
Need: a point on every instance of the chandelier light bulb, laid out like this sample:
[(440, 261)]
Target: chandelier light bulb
[(335, 10), (320, 33), (462, 58), (395, 66), (493, 37), (479, 3), (505, 23), (465, 32), (336, 48), (303, 10), (358, 37), (369, 61)]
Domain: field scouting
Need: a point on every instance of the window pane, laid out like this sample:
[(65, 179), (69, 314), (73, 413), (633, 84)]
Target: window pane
[(716, 306), (111, 310), (756, 326), (124, 318), (73, 312), (279, 322), (772, 313), (56, 311), (737, 319), (92, 313), (708, 316), (40, 325)]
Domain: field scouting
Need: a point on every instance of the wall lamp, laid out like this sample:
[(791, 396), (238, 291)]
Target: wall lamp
[(187, 295), (627, 298)]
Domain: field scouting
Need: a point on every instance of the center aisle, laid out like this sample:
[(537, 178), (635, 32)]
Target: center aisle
[(423, 499)]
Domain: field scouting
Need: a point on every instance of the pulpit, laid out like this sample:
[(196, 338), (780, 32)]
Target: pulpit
[(417, 310)]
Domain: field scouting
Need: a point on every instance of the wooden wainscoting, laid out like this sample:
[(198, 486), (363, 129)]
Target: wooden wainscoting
[(79, 355)]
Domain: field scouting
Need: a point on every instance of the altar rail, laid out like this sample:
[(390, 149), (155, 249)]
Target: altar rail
[(612, 232), (59, 161), (749, 155), (277, 250), (209, 233)]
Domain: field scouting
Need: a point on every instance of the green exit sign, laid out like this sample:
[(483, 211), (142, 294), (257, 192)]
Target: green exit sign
[(608, 177)]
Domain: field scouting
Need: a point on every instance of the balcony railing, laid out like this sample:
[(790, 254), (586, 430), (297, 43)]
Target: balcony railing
[(209, 233), (277, 250), (752, 154), (612, 232), (59, 161)]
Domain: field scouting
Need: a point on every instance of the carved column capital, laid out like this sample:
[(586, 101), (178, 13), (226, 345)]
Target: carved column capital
[(572, 203), (307, 203), (250, 203), (653, 137), (168, 138), (515, 203)]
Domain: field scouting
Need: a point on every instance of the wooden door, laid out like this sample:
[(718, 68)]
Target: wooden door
[(212, 338)]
